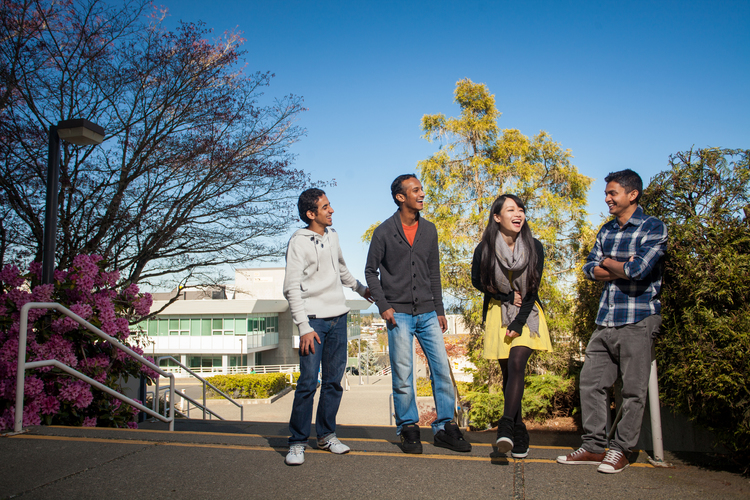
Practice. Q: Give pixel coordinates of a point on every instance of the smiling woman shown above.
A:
(511, 219)
(507, 267)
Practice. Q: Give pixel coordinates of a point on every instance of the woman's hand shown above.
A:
(511, 334)
(517, 300)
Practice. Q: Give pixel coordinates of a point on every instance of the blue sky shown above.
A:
(620, 84)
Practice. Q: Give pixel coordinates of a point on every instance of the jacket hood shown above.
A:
(309, 233)
(315, 239)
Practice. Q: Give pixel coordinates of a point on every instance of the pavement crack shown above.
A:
(77, 473)
(519, 488)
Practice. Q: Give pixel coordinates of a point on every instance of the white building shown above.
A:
(233, 329)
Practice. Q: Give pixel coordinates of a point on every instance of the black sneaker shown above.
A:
(410, 439)
(520, 441)
(450, 437)
(505, 435)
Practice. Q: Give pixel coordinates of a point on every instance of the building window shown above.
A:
(262, 331)
(169, 362)
(237, 360)
(204, 363)
(179, 326)
(207, 326)
(222, 326)
(265, 324)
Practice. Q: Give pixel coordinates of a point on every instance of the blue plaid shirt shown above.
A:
(624, 301)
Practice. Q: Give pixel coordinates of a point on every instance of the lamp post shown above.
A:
(241, 354)
(82, 133)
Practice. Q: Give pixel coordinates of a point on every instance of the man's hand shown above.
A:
(615, 268)
(443, 323)
(601, 274)
(610, 270)
(307, 343)
(368, 296)
(388, 316)
(517, 299)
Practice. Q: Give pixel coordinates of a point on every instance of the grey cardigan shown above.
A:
(409, 275)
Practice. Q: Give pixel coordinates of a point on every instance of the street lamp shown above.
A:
(82, 133)
(241, 354)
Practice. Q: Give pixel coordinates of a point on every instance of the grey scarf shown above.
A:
(512, 266)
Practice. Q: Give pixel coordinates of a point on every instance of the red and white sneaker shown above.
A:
(614, 462)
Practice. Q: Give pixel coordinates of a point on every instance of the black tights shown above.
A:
(514, 372)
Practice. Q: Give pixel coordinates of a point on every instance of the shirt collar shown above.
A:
(635, 220)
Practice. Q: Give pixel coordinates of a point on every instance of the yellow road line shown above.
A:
(265, 436)
(277, 449)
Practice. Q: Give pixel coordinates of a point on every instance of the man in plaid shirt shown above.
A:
(627, 256)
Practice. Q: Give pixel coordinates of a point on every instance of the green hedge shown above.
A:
(250, 386)
(545, 396)
(424, 388)
(703, 352)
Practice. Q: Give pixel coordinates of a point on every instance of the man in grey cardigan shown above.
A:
(403, 273)
(315, 271)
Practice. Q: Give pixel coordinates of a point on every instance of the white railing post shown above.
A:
(18, 424)
(655, 412)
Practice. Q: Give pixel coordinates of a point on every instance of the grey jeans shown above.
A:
(612, 351)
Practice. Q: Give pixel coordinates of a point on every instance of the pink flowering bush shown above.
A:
(50, 395)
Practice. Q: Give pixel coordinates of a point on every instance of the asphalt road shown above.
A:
(246, 460)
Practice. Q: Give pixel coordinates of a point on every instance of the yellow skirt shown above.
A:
(497, 345)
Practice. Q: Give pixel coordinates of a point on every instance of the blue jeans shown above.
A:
(426, 329)
(331, 352)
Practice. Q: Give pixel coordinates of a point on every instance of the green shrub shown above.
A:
(485, 409)
(424, 387)
(250, 386)
(545, 396)
(703, 352)
(464, 387)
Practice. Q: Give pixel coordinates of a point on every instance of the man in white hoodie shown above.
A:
(315, 273)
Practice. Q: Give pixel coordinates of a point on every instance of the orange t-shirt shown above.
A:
(410, 232)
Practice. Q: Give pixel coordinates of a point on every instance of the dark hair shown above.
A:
(397, 186)
(308, 200)
(489, 237)
(628, 180)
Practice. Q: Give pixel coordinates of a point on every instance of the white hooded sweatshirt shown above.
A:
(315, 271)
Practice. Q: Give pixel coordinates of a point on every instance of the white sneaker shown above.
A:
(296, 455)
(332, 444)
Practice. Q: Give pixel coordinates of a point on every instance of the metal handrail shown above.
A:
(205, 382)
(23, 365)
(238, 370)
(191, 400)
